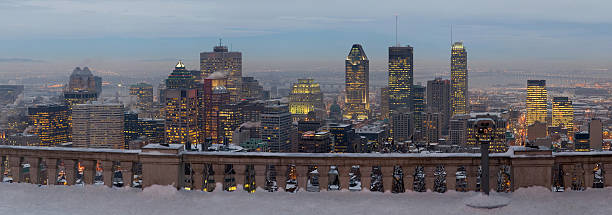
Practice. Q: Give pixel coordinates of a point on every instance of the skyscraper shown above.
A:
(305, 97)
(595, 134)
(182, 107)
(82, 87)
(418, 111)
(98, 125)
(50, 123)
(276, 126)
(400, 77)
(438, 101)
(402, 125)
(357, 79)
(222, 60)
(459, 79)
(536, 101)
(144, 95)
(384, 103)
(563, 113)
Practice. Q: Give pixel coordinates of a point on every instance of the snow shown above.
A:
(90, 199)
(494, 200)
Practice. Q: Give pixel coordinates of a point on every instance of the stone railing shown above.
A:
(213, 170)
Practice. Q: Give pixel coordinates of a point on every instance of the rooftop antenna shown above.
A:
(451, 34)
(220, 44)
(396, 41)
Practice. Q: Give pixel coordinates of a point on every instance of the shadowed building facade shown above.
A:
(357, 80)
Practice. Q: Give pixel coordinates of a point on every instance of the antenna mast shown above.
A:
(451, 35)
(396, 41)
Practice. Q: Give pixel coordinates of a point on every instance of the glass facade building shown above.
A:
(357, 80)
(459, 79)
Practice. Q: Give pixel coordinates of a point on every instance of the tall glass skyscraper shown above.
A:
(222, 60)
(357, 80)
(563, 113)
(459, 79)
(182, 109)
(536, 101)
(400, 77)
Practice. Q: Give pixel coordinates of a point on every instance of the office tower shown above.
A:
(536, 101)
(97, 125)
(335, 112)
(82, 87)
(400, 77)
(459, 79)
(343, 135)
(498, 136)
(418, 111)
(433, 132)
(214, 97)
(563, 113)
(251, 89)
(251, 110)
(438, 100)
(306, 97)
(50, 123)
(153, 129)
(357, 80)
(384, 103)
(182, 108)
(230, 118)
(276, 126)
(402, 125)
(131, 128)
(457, 129)
(315, 142)
(230, 63)
(10, 93)
(144, 95)
(595, 134)
(582, 141)
(161, 94)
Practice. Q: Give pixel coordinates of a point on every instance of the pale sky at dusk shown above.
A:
(122, 36)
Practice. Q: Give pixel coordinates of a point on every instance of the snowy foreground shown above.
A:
(31, 199)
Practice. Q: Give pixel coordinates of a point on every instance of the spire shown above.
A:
(180, 65)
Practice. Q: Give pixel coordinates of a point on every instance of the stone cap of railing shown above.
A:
(520, 151)
(158, 149)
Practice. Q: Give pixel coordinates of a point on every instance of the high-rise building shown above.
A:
(315, 142)
(343, 137)
(438, 101)
(457, 129)
(97, 125)
(357, 79)
(384, 103)
(402, 125)
(152, 129)
(306, 97)
(82, 87)
(432, 127)
(50, 123)
(418, 111)
(563, 113)
(230, 63)
(459, 79)
(276, 126)
(144, 95)
(400, 77)
(131, 128)
(536, 101)
(595, 134)
(582, 141)
(182, 108)
(251, 89)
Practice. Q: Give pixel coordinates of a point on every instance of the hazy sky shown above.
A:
(46, 36)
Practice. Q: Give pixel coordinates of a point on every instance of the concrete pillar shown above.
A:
(127, 173)
(260, 175)
(493, 170)
(89, 171)
(240, 175)
(34, 169)
(429, 177)
(567, 176)
(302, 176)
(281, 176)
(409, 177)
(608, 174)
(219, 176)
(387, 175)
(323, 177)
(198, 176)
(588, 175)
(15, 165)
(472, 176)
(451, 178)
(70, 166)
(343, 176)
(51, 170)
(366, 176)
(107, 167)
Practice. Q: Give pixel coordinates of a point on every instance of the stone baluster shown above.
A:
(366, 176)
(51, 170)
(281, 176)
(451, 178)
(408, 176)
(127, 173)
(323, 177)
(15, 165)
(70, 166)
(588, 174)
(343, 176)
(387, 175)
(219, 176)
(429, 177)
(260, 175)
(89, 171)
(34, 169)
(198, 176)
(107, 167)
(302, 176)
(240, 175)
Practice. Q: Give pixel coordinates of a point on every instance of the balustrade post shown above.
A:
(451, 178)
(70, 166)
(260, 175)
(607, 168)
(281, 176)
(89, 171)
(127, 173)
(387, 175)
(472, 176)
(343, 176)
(302, 176)
(198, 176)
(588, 174)
(15, 165)
(51, 170)
(429, 177)
(34, 169)
(239, 176)
(107, 167)
(219, 176)
(408, 177)
(323, 177)
(366, 176)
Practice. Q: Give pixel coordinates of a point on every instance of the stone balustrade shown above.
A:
(230, 171)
